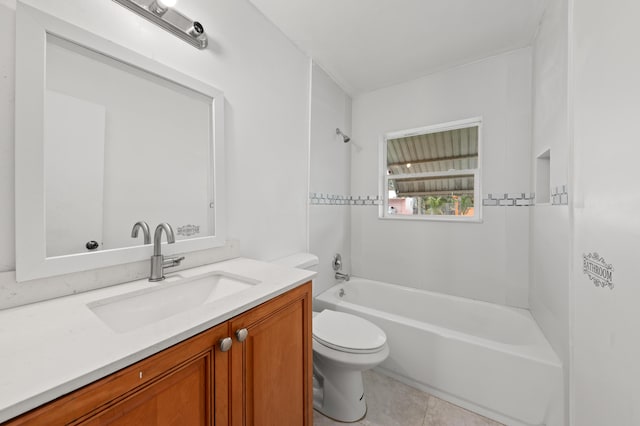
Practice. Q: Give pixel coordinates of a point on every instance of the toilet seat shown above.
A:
(347, 333)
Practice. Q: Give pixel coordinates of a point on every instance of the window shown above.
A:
(433, 172)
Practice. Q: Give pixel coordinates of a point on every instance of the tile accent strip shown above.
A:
(519, 199)
(559, 196)
(319, 198)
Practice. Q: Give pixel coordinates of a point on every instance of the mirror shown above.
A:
(120, 145)
(105, 138)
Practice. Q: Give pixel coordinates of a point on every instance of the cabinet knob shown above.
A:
(242, 334)
(225, 344)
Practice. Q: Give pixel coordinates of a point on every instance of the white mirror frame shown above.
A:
(32, 27)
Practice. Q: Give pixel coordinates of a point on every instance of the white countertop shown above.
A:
(50, 348)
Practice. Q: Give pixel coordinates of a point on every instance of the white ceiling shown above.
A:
(369, 44)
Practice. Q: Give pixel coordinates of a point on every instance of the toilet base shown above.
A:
(336, 420)
(341, 396)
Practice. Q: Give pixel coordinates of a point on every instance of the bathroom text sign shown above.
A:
(598, 271)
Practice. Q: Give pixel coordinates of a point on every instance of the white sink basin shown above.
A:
(129, 311)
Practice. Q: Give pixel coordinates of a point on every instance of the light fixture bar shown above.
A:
(171, 20)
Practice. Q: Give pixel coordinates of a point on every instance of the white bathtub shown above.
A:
(488, 358)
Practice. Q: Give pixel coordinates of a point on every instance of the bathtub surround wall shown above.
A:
(486, 261)
(329, 171)
(265, 79)
(549, 226)
(606, 87)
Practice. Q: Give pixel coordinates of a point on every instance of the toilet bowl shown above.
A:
(344, 345)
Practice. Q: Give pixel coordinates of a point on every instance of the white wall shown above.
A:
(7, 96)
(486, 261)
(329, 225)
(606, 336)
(265, 79)
(549, 267)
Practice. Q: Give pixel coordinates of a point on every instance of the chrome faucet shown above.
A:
(158, 261)
(145, 231)
(341, 276)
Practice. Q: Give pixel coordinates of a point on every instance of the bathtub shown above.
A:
(488, 358)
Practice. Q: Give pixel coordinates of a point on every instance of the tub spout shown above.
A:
(341, 276)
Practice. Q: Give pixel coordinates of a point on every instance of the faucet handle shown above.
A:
(170, 262)
(337, 262)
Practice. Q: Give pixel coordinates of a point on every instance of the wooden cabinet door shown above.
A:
(272, 368)
(181, 397)
(186, 384)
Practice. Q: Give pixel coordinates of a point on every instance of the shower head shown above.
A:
(345, 138)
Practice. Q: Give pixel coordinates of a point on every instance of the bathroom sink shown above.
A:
(129, 311)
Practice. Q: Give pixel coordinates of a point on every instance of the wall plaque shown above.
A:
(598, 271)
(188, 230)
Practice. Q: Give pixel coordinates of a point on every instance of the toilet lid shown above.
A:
(347, 333)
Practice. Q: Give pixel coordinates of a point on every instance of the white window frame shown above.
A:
(383, 211)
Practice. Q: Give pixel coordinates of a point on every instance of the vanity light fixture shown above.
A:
(161, 13)
(159, 7)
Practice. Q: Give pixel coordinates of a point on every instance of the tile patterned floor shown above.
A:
(391, 403)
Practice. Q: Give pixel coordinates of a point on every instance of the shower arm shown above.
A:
(345, 138)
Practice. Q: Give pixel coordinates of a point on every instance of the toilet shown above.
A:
(344, 345)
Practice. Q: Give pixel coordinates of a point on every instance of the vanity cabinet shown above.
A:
(271, 362)
(262, 378)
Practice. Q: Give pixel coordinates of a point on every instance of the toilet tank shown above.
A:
(299, 260)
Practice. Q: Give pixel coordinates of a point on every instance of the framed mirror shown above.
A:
(105, 138)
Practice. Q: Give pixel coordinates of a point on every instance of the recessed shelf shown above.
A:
(543, 177)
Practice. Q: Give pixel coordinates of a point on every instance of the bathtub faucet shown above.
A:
(341, 276)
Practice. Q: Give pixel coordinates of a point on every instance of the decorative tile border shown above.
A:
(518, 199)
(559, 196)
(318, 198)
